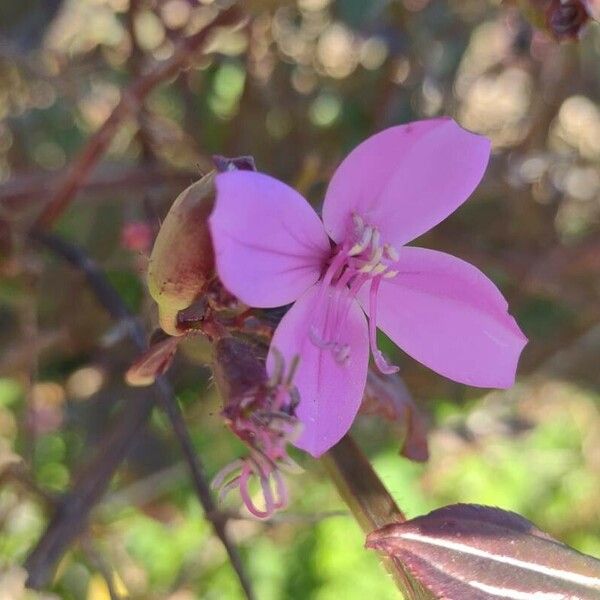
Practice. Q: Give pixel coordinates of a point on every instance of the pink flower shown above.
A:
(272, 249)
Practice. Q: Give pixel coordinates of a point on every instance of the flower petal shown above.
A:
(406, 179)
(270, 245)
(330, 391)
(448, 315)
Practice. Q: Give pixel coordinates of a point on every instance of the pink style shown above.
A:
(272, 249)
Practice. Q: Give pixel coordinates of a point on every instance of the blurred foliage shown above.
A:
(297, 88)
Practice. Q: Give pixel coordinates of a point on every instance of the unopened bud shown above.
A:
(566, 18)
(182, 260)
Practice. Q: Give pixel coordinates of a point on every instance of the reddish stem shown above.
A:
(131, 99)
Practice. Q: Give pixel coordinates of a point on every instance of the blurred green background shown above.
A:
(297, 87)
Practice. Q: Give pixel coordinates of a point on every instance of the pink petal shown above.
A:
(406, 179)
(270, 245)
(449, 316)
(330, 392)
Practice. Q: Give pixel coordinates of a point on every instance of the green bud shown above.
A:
(182, 260)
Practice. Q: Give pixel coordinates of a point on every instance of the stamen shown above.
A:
(363, 243)
(282, 494)
(377, 255)
(376, 238)
(378, 357)
(265, 484)
(292, 371)
(366, 268)
(351, 292)
(317, 340)
(278, 368)
(341, 299)
(336, 265)
(245, 494)
(227, 488)
(224, 473)
(358, 221)
(391, 252)
(367, 258)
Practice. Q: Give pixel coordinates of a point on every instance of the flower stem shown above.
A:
(369, 501)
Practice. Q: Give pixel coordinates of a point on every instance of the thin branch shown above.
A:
(75, 507)
(89, 485)
(28, 190)
(130, 102)
(136, 62)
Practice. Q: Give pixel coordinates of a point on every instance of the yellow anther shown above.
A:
(363, 244)
(390, 274)
(367, 268)
(377, 254)
(375, 238)
(358, 221)
(391, 252)
(379, 269)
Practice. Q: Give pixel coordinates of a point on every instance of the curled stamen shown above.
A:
(226, 471)
(282, 494)
(380, 361)
(265, 484)
(247, 498)
(225, 489)
(264, 418)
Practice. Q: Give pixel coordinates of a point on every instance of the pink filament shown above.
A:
(332, 315)
(380, 361)
(247, 499)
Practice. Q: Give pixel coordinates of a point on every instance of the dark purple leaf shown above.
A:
(470, 552)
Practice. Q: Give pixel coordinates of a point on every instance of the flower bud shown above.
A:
(182, 260)
(566, 18)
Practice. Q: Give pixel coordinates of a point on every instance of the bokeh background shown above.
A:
(297, 87)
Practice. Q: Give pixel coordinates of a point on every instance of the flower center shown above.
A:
(362, 258)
